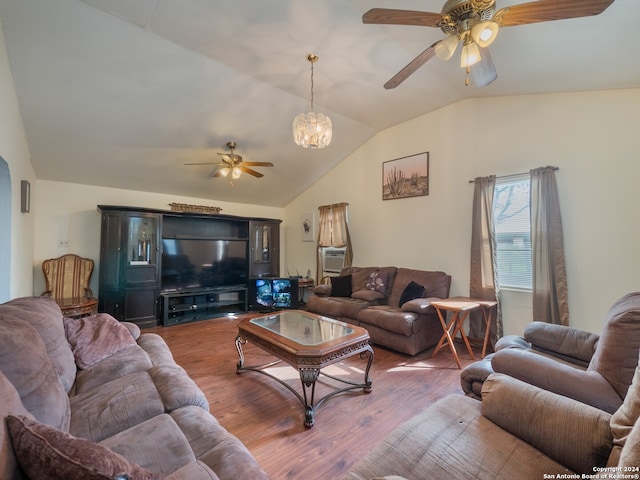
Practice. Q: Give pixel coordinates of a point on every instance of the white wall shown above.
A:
(14, 150)
(67, 213)
(590, 136)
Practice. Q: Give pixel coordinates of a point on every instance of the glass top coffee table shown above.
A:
(307, 342)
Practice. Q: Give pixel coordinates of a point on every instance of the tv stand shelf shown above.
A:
(190, 306)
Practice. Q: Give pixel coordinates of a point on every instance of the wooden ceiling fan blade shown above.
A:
(484, 72)
(203, 163)
(391, 16)
(414, 65)
(250, 171)
(549, 10)
(257, 164)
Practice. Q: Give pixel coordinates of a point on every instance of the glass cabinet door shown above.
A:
(262, 242)
(142, 240)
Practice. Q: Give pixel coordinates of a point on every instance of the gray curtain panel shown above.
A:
(550, 298)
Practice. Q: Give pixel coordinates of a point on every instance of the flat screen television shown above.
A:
(194, 263)
(266, 294)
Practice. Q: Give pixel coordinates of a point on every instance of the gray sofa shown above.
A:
(517, 431)
(374, 301)
(93, 398)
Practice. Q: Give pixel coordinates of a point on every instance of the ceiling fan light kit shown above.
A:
(476, 23)
(312, 130)
(231, 163)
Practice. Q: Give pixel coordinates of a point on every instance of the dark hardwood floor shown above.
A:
(269, 419)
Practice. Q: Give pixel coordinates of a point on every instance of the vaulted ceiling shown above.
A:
(122, 93)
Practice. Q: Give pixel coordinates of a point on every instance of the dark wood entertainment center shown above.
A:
(135, 287)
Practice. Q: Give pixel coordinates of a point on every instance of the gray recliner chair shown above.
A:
(593, 369)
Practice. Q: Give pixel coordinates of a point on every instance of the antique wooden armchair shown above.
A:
(67, 282)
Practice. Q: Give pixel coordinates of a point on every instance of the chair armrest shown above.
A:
(420, 305)
(572, 433)
(562, 340)
(556, 376)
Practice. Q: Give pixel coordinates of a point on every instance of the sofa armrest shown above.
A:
(556, 376)
(562, 340)
(420, 305)
(134, 329)
(322, 290)
(572, 433)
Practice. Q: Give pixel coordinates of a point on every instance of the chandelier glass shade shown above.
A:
(312, 130)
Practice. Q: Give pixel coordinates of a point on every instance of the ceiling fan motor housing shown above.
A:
(460, 15)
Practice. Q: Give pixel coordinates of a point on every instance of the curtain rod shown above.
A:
(514, 174)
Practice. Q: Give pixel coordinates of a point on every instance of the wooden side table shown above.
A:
(77, 307)
(460, 307)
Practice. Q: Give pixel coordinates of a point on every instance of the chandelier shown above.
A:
(312, 130)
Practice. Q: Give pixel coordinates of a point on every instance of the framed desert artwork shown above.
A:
(406, 177)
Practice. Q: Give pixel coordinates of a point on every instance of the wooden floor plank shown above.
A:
(268, 418)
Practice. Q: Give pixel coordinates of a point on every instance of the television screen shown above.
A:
(191, 264)
(273, 293)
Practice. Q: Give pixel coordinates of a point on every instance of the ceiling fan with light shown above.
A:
(231, 164)
(475, 24)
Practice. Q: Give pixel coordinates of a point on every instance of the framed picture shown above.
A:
(406, 177)
(307, 227)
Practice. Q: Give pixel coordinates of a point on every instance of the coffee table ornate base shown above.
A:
(308, 359)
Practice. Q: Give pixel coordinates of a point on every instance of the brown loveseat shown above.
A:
(93, 398)
(593, 369)
(517, 431)
(375, 300)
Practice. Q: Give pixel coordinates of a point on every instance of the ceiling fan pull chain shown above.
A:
(466, 80)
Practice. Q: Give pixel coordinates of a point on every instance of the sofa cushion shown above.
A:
(341, 286)
(95, 338)
(176, 388)
(193, 471)
(45, 452)
(115, 406)
(630, 454)
(336, 307)
(440, 442)
(412, 291)
(133, 359)
(157, 443)
(224, 453)
(436, 284)
(10, 404)
(615, 364)
(389, 318)
(367, 295)
(24, 361)
(44, 314)
(624, 419)
(360, 275)
(533, 414)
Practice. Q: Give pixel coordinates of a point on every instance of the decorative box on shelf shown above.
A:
(185, 207)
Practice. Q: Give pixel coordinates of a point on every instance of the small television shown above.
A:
(268, 294)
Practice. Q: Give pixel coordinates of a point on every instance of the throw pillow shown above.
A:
(411, 291)
(45, 452)
(378, 281)
(341, 286)
(95, 338)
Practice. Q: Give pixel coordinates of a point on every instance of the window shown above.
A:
(513, 233)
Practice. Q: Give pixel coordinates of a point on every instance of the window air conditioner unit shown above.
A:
(333, 260)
